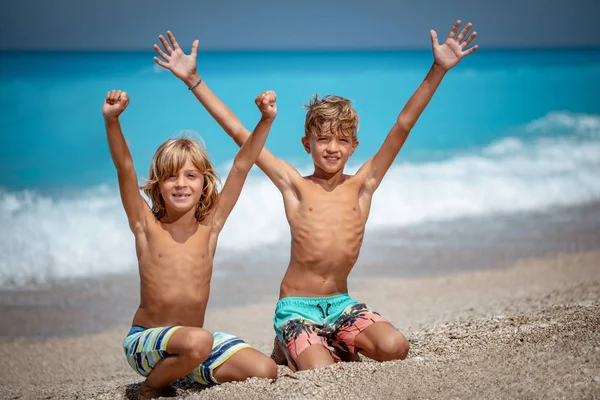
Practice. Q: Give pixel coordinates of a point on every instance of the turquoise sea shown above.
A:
(509, 131)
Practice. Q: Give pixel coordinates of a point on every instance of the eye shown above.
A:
(172, 177)
(192, 176)
(344, 140)
(321, 139)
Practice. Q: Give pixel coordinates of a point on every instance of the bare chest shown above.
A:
(333, 211)
(175, 253)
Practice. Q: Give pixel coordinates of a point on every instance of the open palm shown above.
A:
(448, 54)
(174, 59)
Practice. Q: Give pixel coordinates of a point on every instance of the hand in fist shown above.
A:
(115, 103)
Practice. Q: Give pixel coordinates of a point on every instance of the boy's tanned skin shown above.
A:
(327, 210)
(175, 253)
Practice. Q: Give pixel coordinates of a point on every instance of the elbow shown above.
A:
(238, 134)
(240, 167)
(124, 167)
(404, 124)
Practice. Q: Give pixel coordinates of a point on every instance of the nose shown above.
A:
(180, 182)
(332, 146)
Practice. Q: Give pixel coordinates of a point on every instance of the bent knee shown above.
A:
(393, 347)
(265, 369)
(197, 345)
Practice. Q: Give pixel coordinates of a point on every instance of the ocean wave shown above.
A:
(80, 234)
(564, 122)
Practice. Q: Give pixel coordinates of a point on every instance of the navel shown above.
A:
(309, 208)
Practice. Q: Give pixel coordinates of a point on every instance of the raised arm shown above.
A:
(245, 158)
(183, 66)
(446, 56)
(135, 206)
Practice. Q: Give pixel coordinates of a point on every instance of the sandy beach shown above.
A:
(528, 330)
(492, 308)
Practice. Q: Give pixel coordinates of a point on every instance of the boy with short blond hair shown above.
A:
(327, 212)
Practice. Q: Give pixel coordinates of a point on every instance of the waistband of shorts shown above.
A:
(136, 329)
(312, 301)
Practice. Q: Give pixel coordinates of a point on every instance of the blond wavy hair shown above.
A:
(334, 112)
(168, 160)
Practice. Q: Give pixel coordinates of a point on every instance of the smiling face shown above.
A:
(330, 151)
(330, 132)
(182, 178)
(181, 191)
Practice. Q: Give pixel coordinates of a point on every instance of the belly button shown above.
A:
(309, 208)
(159, 255)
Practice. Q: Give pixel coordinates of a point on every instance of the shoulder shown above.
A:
(307, 181)
(352, 180)
(144, 226)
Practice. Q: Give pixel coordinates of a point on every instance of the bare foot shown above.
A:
(147, 392)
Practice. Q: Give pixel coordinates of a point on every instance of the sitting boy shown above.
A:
(175, 242)
(327, 212)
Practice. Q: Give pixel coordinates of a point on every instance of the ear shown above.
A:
(306, 144)
(354, 145)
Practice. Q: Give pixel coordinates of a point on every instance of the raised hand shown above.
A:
(174, 59)
(448, 54)
(115, 103)
(266, 104)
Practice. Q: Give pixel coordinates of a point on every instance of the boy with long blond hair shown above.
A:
(175, 241)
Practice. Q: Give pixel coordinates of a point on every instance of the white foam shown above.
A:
(561, 122)
(86, 234)
(503, 146)
(509, 175)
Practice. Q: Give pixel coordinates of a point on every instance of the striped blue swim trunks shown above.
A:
(145, 347)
